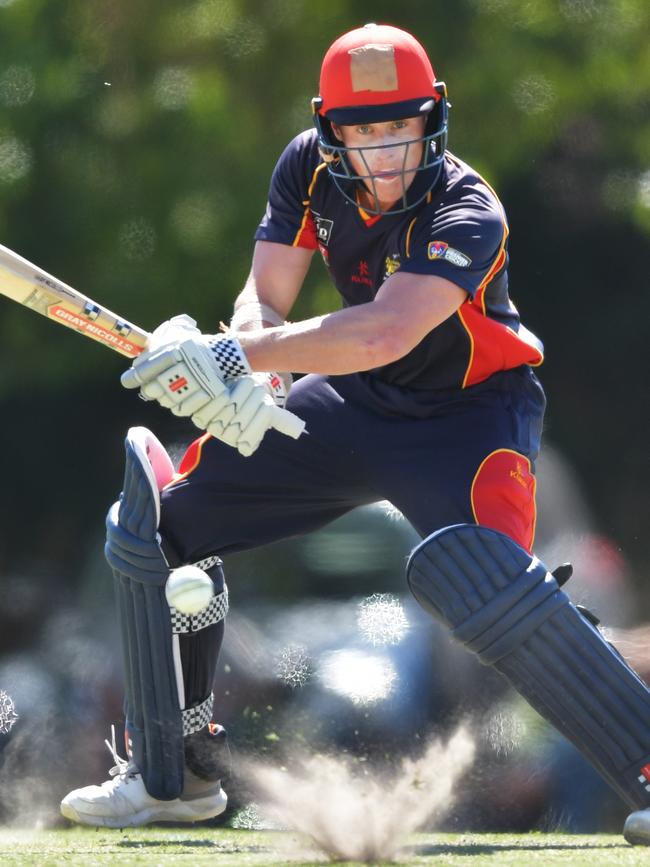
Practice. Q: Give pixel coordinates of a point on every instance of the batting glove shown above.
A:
(208, 379)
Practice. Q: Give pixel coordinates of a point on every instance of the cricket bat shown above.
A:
(33, 287)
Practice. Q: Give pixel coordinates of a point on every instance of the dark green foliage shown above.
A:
(136, 143)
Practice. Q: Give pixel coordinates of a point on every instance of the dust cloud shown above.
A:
(357, 812)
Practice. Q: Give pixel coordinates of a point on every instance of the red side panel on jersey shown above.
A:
(493, 346)
(503, 496)
(306, 236)
(191, 459)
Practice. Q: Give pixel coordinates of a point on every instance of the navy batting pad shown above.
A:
(503, 604)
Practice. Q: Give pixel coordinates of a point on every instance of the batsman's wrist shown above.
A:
(252, 314)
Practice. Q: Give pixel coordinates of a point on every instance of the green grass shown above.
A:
(229, 848)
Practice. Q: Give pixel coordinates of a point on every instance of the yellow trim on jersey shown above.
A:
(407, 243)
(532, 475)
(506, 232)
(306, 202)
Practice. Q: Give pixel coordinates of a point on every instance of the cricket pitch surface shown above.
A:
(219, 847)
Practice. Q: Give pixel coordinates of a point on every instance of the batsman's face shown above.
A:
(385, 155)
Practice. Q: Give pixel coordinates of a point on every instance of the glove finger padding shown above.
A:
(149, 366)
(253, 435)
(248, 397)
(220, 409)
(226, 424)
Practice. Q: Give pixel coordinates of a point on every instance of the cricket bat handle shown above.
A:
(33, 287)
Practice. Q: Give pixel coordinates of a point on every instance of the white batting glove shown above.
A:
(208, 378)
(252, 410)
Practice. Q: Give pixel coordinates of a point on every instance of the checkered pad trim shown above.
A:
(208, 563)
(215, 611)
(197, 717)
(229, 357)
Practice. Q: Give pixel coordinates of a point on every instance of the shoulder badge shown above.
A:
(442, 250)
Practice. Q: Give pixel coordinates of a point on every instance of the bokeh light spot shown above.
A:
(364, 678)
(533, 94)
(644, 189)
(245, 39)
(15, 159)
(580, 10)
(17, 86)
(504, 732)
(293, 666)
(195, 222)
(8, 715)
(173, 87)
(212, 17)
(137, 240)
(619, 190)
(381, 619)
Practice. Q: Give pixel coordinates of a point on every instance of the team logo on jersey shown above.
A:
(391, 265)
(323, 229)
(363, 274)
(442, 250)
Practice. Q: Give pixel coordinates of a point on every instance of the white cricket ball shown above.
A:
(189, 589)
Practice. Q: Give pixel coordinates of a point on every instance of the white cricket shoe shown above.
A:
(123, 801)
(637, 828)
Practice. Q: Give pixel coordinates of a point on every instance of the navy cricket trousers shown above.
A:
(440, 457)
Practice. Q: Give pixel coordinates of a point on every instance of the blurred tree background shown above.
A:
(136, 144)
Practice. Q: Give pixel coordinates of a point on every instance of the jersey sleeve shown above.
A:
(463, 241)
(287, 219)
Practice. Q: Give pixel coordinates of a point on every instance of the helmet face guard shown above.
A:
(416, 182)
(376, 74)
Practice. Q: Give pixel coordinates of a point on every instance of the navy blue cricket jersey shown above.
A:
(458, 232)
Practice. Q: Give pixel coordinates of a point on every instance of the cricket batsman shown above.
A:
(420, 390)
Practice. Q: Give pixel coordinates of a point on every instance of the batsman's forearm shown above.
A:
(347, 341)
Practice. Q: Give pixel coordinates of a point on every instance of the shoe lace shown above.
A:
(123, 769)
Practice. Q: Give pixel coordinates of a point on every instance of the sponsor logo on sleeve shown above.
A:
(442, 250)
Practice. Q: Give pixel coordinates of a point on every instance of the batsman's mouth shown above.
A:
(391, 174)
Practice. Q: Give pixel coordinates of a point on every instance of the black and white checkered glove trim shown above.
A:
(229, 356)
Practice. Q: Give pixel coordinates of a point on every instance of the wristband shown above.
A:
(253, 311)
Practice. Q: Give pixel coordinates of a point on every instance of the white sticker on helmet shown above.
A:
(373, 67)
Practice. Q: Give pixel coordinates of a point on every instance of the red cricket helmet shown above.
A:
(373, 74)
